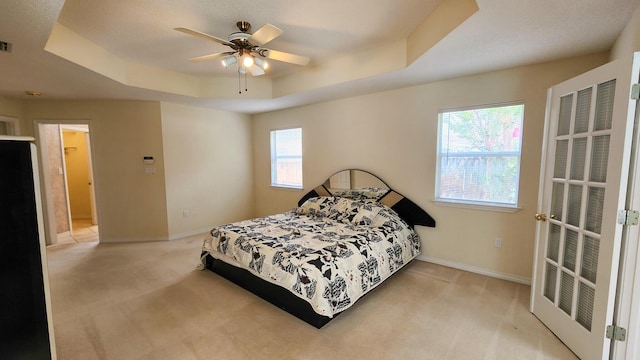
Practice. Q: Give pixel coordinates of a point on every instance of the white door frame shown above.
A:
(45, 189)
(627, 313)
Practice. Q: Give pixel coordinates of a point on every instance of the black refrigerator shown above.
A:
(26, 331)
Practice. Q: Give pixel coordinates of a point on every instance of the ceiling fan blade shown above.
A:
(265, 34)
(203, 35)
(211, 56)
(286, 57)
(256, 71)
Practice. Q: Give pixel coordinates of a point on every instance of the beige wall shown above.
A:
(207, 154)
(215, 172)
(12, 108)
(208, 168)
(629, 39)
(393, 134)
(131, 205)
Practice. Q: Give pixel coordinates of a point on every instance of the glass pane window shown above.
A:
(583, 108)
(479, 155)
(564, 122)
(286, 158)
(550, 282)
(560, 167)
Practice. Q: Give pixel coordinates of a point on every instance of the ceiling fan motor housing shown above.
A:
(239, 38)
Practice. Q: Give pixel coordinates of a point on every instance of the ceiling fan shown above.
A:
(246, 48)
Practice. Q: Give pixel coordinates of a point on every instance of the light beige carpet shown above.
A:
(147, 301)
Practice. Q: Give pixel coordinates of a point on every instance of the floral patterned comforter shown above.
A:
(329, 252)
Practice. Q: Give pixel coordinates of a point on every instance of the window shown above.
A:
(9, 126)
(479, 155)
(286, 158)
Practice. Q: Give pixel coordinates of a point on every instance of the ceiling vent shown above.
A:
(5, 46)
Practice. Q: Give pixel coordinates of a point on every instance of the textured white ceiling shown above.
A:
(142, 31)
(503, 33)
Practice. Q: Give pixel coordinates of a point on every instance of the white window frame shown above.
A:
(275, 158)
(478, 204)
(13, 125)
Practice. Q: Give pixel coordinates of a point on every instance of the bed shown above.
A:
(343, 239)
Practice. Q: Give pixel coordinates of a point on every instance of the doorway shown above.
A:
(70, 211)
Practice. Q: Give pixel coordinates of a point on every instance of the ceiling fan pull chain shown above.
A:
(245, 82)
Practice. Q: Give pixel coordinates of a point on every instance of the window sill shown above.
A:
(477, 206)
(286, 187)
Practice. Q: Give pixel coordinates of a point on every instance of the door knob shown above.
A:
(541, 217)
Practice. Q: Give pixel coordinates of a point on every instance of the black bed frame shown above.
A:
(281, 297)
(274, 294)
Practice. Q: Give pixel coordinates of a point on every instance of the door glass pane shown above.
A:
(560, 167)
(566, 293)
(573, 205)
(583, 107)
(578, 156)
(554, 242)
(585, 305)
(570, 250)
(595, 204)
(604, 105)
(556, 201)
(550, 282)
(565, 114)
(590, 250)
(599, 158)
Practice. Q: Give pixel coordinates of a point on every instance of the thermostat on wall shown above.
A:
(147, 160)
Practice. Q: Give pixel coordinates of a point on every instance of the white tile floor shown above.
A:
(83, 231)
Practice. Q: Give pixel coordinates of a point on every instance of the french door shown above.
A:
(588, 135)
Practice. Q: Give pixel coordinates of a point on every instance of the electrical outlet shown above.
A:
(185, 213)
(498, 242)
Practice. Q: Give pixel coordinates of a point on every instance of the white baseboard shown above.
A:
(169, 238)
(132, 240)
(190, 233)
(476, 270)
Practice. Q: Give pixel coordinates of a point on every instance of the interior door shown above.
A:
(92, 189)
(589, 126)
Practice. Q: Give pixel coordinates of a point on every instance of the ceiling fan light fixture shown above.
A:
(247, 60)
(262, 64)
(247, 51)
(229, 60)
